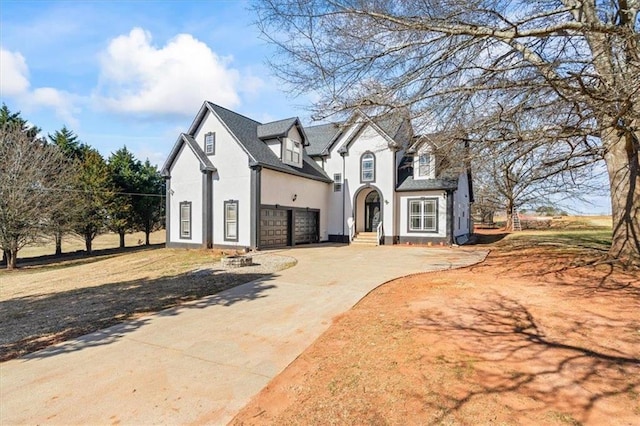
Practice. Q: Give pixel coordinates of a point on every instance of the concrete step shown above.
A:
(364, 243)
(366, 239)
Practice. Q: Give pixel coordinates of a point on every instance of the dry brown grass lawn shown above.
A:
(52, 300)
(534, 335)
(72, 243)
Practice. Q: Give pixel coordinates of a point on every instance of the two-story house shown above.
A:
(235, 182)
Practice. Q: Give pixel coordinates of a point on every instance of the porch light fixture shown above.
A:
(294, 197)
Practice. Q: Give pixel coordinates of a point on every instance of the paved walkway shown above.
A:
(202, 362)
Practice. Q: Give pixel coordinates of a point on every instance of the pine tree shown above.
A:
(123, 169)
(148, 208)
(95, 195)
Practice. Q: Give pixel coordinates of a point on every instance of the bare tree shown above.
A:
(451, 62)
(33, 178)
(515, 166)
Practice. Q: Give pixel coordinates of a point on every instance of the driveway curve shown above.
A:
(203, 361)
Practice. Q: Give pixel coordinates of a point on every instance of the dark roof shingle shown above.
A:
(321, 136)
(276, 128)
(246, 131)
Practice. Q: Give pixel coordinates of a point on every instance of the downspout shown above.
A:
(167, 209)
(254, 239)
(450, 216)
(344, 190)
(207, 216)
(396, 216)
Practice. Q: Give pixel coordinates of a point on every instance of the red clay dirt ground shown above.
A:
(534, 335)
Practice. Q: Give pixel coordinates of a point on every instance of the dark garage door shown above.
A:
(306, 226)
(274, 228)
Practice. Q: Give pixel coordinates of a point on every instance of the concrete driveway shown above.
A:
(202, 362)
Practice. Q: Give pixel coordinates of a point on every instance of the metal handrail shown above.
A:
(379, 233)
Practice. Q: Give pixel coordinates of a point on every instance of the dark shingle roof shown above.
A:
(205, 163)
(392, 126)
(411, 184)
(276, 128)
(320, 137)
(246, 131)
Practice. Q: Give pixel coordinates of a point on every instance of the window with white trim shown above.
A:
(424, 165)
(423, 215)
(210, 143)
(292, 151)
(231, 220)
(185, 220)
(367, 167)
(337, 182)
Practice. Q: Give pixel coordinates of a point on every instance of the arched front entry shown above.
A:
(368, 209)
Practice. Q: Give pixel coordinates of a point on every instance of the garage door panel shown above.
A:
(306, 227)
(273, 228)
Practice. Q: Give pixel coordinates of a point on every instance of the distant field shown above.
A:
(566, 222)
(72, 243)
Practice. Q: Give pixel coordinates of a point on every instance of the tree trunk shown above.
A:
(4, 257)
(12, 259)
(623, 168)
(87, 243)
(58, 243)
(509, 225)
(121, 233)
(146, 237)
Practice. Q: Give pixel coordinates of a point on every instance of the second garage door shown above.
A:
(306, 226)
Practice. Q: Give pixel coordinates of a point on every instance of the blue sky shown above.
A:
(134, 73)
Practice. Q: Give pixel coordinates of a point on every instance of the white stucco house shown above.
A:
(235, 182)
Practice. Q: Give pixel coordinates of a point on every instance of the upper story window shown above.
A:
(210, 143)
(368, 167)
(292, 152)
(424, 165)
(337, 182)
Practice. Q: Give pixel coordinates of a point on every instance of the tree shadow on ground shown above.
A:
(573, 260)
(507, 349)
(78, 257)
(487, 238)
(30, 323)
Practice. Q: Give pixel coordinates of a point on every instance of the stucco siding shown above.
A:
(368, 140)
(186, 186)
(232, 181)
(280, 188)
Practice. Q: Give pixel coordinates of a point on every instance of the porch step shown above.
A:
(366, 239)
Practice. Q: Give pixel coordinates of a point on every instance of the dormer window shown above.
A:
(368, 167)
(292, 152)
(423, 166)
(210, 143)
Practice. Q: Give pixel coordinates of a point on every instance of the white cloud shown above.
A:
(14, 74)
(60, 101)
(14, 83)
(138, 77)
